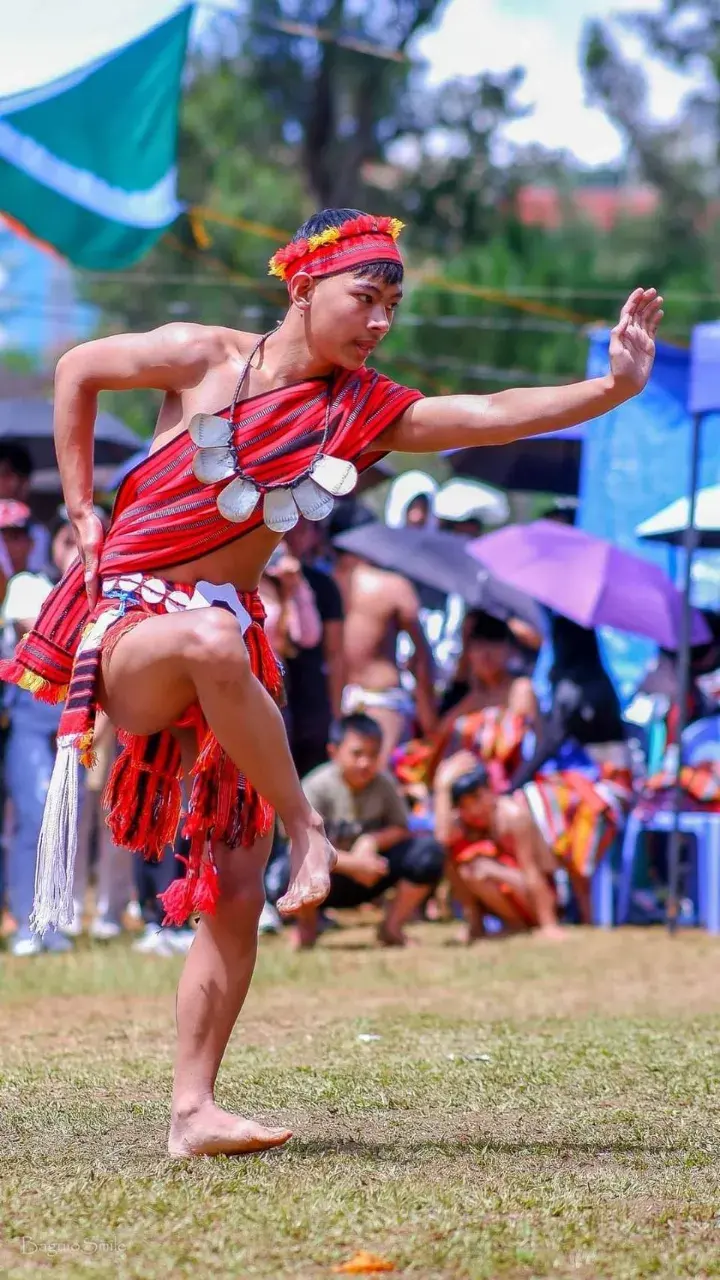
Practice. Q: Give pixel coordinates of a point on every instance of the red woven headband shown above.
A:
(354, 244)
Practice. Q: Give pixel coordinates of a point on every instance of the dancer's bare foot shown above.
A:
(210, 1131)
(312, 858)
(552, 933)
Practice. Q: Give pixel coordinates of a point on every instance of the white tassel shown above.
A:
(57, 846)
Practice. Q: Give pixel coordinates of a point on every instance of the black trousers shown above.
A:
(153, 878)
(418, 859)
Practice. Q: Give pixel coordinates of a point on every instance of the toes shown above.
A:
(287, 905)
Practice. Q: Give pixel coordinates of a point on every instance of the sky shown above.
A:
(544, 36)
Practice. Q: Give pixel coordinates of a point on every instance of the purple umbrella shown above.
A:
(588, 580)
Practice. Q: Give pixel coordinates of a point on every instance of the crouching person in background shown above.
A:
(504, 850)
(498, 862)
(366, 819)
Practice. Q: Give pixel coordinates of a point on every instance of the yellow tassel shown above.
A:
(329, 236)
(32, 682)
(277, 269)
(38, 686)
(396, 226)
(88, 756)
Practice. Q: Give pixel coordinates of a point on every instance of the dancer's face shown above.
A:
(347, 316)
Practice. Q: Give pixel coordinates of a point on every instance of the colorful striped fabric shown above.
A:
(164, 517)
(578, 817)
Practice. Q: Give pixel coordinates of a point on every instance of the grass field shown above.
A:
(528, 1110)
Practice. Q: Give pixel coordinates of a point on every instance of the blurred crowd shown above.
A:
(467, 765)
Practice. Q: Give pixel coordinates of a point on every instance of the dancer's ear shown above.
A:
(302, 288)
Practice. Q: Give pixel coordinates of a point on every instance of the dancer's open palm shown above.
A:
(632, 341)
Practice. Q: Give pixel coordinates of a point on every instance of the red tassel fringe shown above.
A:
(144, 799)
(196, 893)
(144, 795)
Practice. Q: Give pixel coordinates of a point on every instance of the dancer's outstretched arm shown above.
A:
(460, 422)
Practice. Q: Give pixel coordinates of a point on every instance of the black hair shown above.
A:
(17, 457)
(59, 522)
(358, 723)
(477, 780)
(387, 272)
(483, 626)
(349, 513)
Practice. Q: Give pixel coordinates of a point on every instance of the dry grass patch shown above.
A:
(528, 1110)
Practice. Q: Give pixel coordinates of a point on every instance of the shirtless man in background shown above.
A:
(378, 606)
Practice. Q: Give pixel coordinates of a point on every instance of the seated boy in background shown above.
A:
(367, 821)
(498, 860)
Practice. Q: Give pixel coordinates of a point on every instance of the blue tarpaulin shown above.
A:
(636, 460)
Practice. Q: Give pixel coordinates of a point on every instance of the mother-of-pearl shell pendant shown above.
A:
(238, 500)
(211, 465)
(335, 475)
(314, 503)
(279, 510)
(209, 431)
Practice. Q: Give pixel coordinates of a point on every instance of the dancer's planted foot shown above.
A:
(209, 1131)
(312, 858)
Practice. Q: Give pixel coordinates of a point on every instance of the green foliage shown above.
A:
(285, 110)
(679, 159)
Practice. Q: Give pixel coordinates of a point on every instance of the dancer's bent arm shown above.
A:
(172, 358)
(458, 422)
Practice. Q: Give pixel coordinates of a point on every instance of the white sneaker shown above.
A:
(26, 946)
(153, 942)
(178, 941)
(133, 910)
(105, 930)
(270, 921)
(75, 928)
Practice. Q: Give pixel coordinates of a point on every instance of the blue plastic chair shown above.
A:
(701, 742)
(602, 891)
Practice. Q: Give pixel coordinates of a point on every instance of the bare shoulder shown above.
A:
(401, 587)
(383, 583)
(206, 341)
(171, 358)
(513, 815)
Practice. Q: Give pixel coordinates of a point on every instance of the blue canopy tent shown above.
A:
(636, 460)
(644, 454)
(703, 400)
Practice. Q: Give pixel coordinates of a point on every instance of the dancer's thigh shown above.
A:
(144, 685)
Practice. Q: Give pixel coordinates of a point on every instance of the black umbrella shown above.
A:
(538, 464)
(440, 561)
(30, 423)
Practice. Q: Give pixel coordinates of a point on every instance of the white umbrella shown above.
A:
(404, 489)
(671, 524)
(463, 499)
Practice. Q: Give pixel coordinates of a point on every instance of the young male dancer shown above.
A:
(253, 430)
